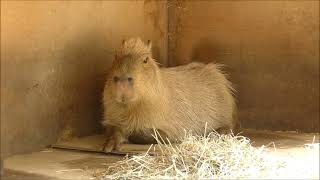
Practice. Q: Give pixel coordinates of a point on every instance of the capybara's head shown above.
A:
(133, 71)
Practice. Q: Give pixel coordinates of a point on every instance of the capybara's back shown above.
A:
(199, 94)
(140, 96)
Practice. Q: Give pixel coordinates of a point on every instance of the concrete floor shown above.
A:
(55, 163)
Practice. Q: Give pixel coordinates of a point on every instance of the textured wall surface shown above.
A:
(53, 58)
(271, 49)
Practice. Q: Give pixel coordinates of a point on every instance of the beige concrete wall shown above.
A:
(271, 49)
(53, 58)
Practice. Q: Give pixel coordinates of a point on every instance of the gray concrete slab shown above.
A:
(52, 163)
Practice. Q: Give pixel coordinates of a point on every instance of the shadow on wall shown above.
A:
(205, 51)
(59, 86)
(276, 89)
(81, 77)
(208, 50)
(155, 51)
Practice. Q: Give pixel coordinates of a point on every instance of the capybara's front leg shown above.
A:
(114, 139)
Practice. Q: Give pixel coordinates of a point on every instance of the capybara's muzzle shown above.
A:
(124, 89)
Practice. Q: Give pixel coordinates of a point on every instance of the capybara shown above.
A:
(139, 96)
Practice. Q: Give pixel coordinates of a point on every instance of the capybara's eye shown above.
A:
(116, 79)
(130, 79)
(145, 60)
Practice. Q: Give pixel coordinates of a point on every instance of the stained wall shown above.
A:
(54, 55)
(270, 49)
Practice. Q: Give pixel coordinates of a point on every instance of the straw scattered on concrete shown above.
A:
(196, 157)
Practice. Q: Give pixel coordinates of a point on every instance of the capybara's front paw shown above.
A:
(112, 143)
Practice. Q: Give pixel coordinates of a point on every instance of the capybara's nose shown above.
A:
(130, 79)
(116, 79)
(122, 79)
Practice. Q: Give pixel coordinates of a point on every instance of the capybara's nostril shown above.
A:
(116, 79)
(130, 79)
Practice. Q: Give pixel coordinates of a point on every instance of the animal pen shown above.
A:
(56, 57)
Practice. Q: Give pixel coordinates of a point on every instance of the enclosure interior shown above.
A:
(54, 56)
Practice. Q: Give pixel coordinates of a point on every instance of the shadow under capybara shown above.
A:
(139, 97)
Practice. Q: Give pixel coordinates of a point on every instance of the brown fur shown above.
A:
(169, 99)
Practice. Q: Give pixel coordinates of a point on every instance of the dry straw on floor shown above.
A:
(211, 156)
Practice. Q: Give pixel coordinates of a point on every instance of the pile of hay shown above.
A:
(210, 156)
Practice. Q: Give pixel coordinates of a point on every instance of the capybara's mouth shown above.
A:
(121, 100)
(124, 100)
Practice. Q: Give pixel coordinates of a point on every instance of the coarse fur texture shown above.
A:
(168, 99)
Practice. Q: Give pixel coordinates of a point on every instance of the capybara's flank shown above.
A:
(140, 96)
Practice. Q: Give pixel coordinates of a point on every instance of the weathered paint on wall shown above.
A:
(53, 58)
(271, 49)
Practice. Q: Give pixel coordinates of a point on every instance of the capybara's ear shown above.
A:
(123, 41)
(149, 44)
